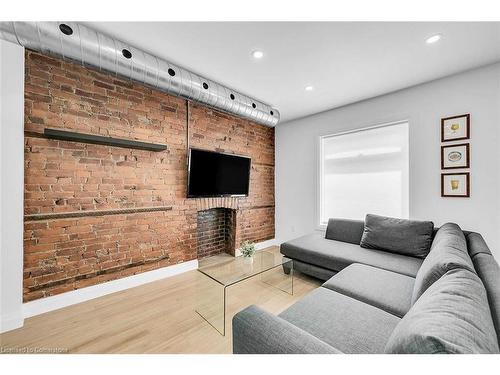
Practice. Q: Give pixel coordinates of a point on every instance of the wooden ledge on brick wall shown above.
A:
(65, 135)
(72, 214)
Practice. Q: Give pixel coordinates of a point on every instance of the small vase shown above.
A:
(248, 260)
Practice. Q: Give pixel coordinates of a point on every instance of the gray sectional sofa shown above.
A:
(427, 291)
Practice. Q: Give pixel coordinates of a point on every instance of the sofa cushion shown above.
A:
(347, 324)
(387, 290)
(452, 316)
(336, 255)
(345, 230)
(489, 272)
(448, 251)
(408, 237)
(256, 331)
(476, 244)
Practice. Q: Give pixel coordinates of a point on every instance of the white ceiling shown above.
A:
(344, 61)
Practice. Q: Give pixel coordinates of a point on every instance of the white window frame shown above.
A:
(319, 163)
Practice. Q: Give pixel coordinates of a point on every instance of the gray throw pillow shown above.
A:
(345, 230)
(452, 316)
(407, 237)
(448, 252)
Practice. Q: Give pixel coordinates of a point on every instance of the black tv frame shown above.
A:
(222, 195)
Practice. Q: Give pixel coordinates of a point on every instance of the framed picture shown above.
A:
(455, 128)
(455, 185)
(455, 156)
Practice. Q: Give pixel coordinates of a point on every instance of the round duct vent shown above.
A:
(65, 29)
(126, 53)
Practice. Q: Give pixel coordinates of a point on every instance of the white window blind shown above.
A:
(365, 171)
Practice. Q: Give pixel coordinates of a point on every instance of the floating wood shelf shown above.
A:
(73, 214)
(64, 135)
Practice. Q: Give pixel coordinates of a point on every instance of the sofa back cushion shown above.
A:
(448, 252)
(407, 237)
(345, 230)
(452, 316)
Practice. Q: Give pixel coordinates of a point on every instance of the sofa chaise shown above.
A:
(391, 286)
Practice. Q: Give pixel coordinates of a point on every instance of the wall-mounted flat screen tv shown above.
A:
(214, 174)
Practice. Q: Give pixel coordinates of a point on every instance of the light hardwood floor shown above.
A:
(158, 317)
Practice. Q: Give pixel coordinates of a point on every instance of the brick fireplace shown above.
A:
(217, 226)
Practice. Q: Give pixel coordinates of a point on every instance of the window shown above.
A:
(364, 171)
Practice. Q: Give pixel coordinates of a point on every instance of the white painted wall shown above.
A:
(476, 92)
(11, 184)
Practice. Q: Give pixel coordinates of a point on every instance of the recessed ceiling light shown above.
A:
(309, 88)
(433, 39)
(257, 54)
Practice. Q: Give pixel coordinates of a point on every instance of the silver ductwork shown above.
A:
(90, 48)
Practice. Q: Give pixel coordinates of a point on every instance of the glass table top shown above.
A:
(233, 270)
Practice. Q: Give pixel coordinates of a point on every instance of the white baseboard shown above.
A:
(260, 246)
(10, 322)
(59, 301)
(264, 244)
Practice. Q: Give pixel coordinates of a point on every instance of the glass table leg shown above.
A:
(211, 302)
(278, 278)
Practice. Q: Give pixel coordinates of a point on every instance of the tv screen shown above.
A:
(213, 174)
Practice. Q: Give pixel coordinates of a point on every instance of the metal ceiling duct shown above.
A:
(93, 49)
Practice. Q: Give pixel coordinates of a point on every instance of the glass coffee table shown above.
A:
(211, 291)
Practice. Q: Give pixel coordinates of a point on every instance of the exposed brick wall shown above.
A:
(66, 254)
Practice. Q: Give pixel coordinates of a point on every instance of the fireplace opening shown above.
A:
(216, 232)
